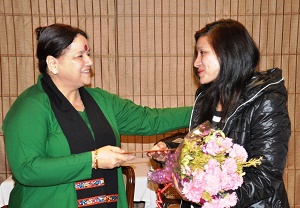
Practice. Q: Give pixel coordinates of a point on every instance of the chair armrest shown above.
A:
(129, 181)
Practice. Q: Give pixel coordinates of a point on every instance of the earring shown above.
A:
(54, 72)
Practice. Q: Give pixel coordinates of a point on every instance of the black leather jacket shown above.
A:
(261, 125)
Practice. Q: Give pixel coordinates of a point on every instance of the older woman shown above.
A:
(62, 138)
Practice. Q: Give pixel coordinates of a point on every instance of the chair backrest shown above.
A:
(129, 180)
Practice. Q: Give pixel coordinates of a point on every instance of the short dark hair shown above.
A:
(238, 56)
(53, 40)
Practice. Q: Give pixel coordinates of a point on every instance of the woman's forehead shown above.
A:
(79, 44)
(202, 42)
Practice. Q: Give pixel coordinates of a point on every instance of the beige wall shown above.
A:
(142, 50)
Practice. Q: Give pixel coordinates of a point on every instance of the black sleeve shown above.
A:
(270, 133)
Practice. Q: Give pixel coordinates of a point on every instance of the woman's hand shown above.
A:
(160, 154)
(178, 189)
(109, 157)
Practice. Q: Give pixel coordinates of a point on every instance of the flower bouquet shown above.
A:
(208, 167)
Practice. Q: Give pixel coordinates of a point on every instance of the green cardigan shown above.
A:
(38, 152)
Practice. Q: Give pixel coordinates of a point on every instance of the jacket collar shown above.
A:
(260, 83)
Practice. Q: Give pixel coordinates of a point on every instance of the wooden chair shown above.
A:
(129, 180)
(170, 197)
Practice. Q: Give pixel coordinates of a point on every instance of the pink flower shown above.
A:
(211, 148)
(212, 166)
(193, 189)
(229, 200)
(231, 181)
(199, 179)
(212, 176)
(218, 202)
(191, 192)
(239, 153)
(213, 184)
(227, 144)
(229, 166)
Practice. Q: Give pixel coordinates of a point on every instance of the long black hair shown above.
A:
(238, 56)
(53, 40)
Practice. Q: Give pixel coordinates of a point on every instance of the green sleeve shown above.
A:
(27, 129)
(134, 119)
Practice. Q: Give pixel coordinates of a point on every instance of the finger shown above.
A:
(121, 158)
(156, 153)
(160, 154)
(161, 145)
(130, 157)
(176, 186)
(174, 180)
(116, 149)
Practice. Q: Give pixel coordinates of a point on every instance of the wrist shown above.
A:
(95, 159)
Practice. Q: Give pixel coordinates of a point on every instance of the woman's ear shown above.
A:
(52, 64)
